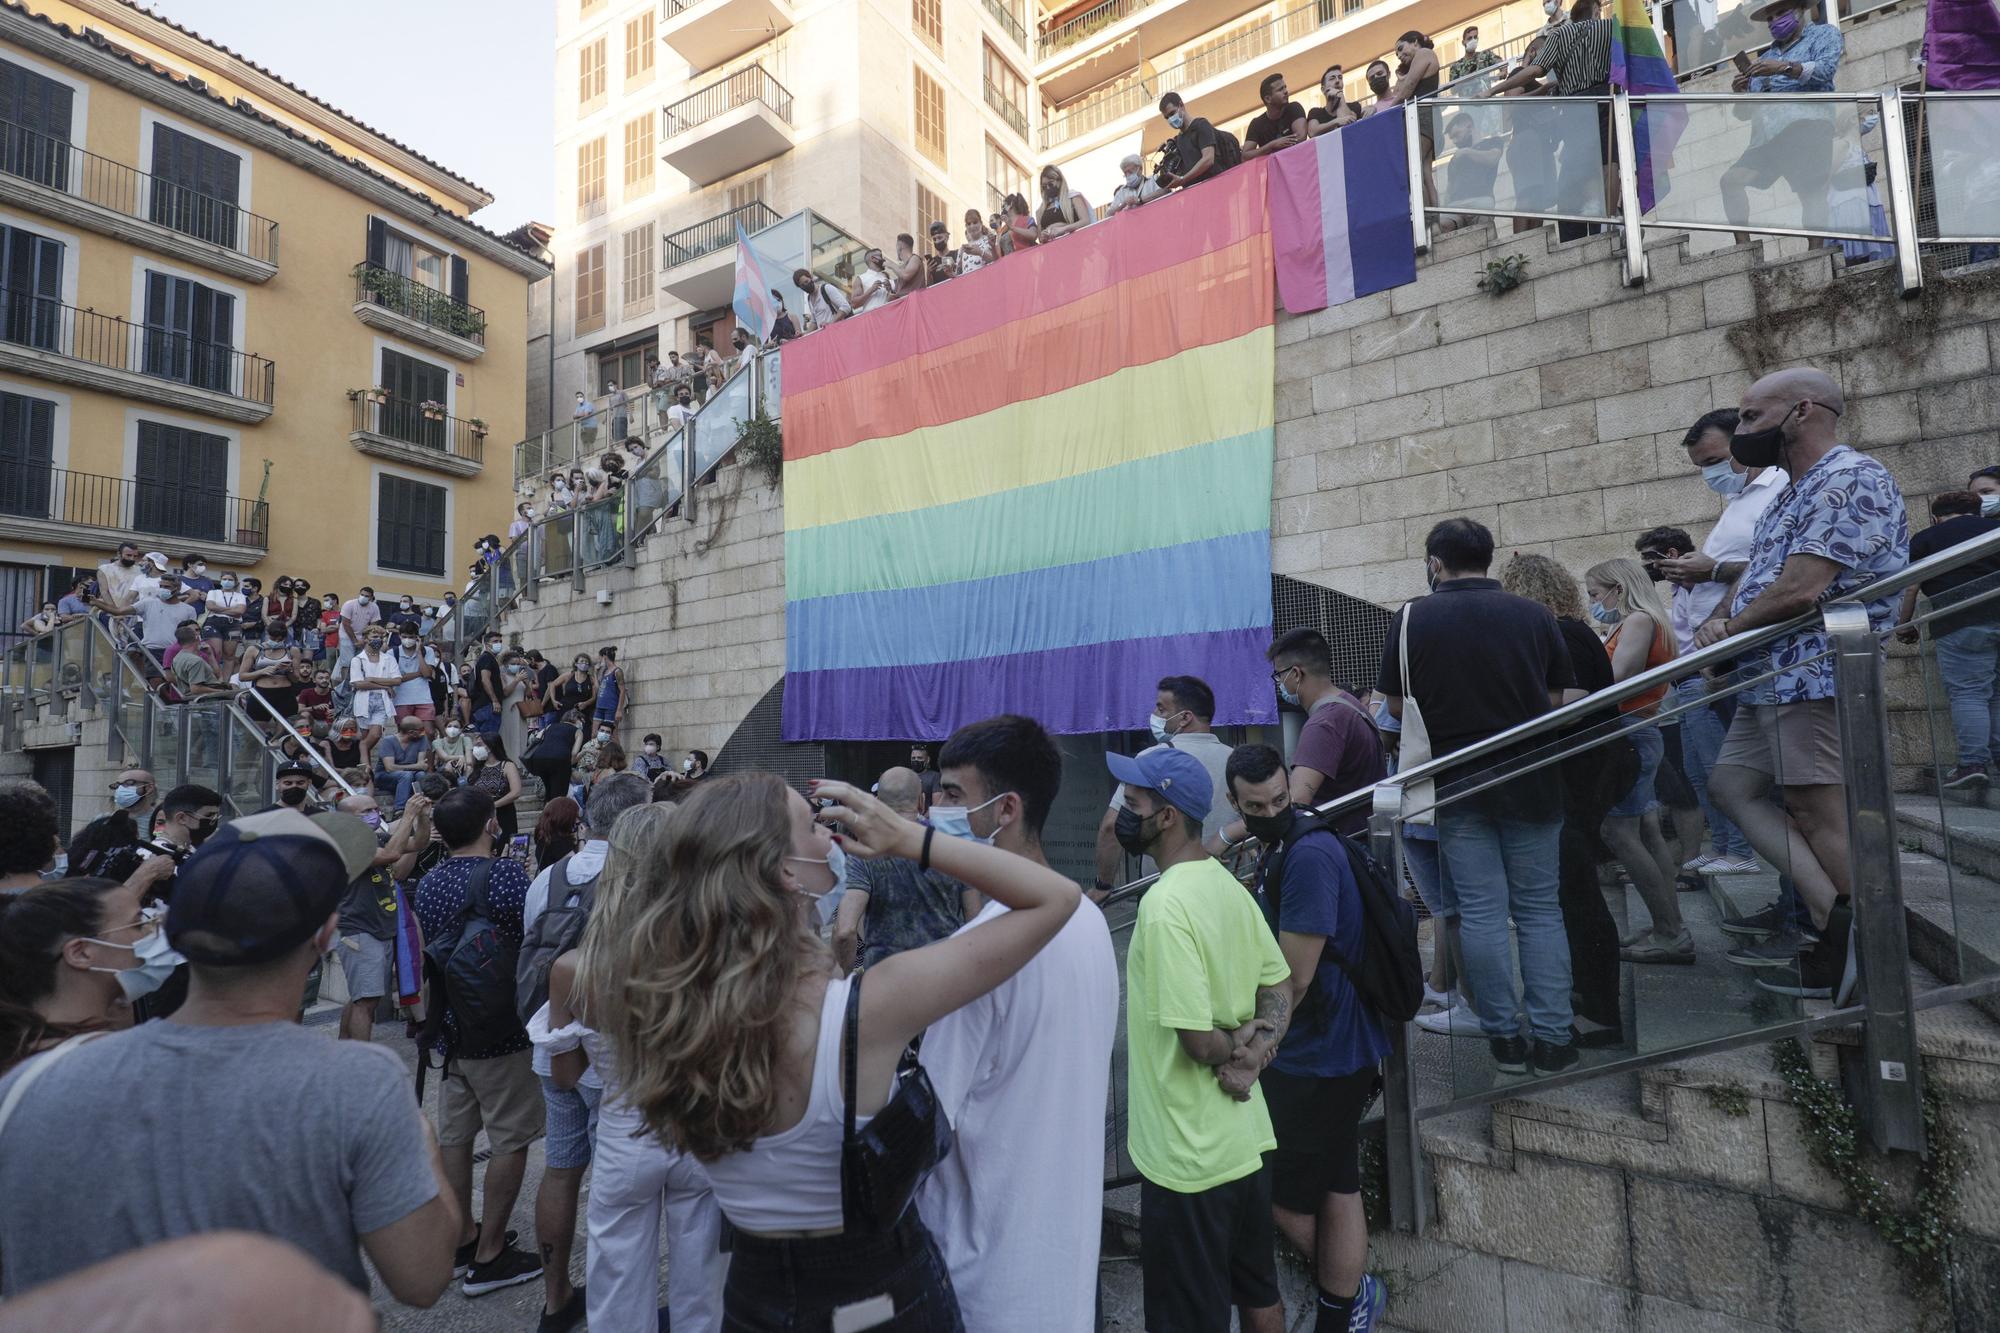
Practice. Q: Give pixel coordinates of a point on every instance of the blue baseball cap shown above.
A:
(1174, 774)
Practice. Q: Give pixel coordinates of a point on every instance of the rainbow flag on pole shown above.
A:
(1639, 65)
(1040, 487)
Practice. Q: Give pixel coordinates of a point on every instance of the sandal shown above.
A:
(1678, 951)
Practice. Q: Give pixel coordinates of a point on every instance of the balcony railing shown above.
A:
(413, 300)
(416, 424)
(1086, 25)
(752, 83)
(47, 325)
(1009, 20)
(57, 165)
(712, 234)
(123, 504)
(1008, 110)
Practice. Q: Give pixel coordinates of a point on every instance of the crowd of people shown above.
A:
(708, 994)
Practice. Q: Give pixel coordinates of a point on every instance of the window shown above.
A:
(930, 208)
(1004, 176)
(746, 192)
(419, 261)
(27, 454)
(930, 116)
(636, 273)
(626, 366)
(639, 50)
(590, 178)
(639, 157)
(590, 289)
(409, 525)
(590, 63)
(1006, 91)
(587, 6)
(411, 383)
(30, 288)
(928, 16)
(40, 107)
(194, 186)
(180, 483)
(189, 331)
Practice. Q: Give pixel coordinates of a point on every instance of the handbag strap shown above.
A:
(35, 1070)
(851, 1038)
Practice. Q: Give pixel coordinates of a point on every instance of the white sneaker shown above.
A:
(1441, 999)
(1732, 865)
(1459, 1020)
(1697, 864)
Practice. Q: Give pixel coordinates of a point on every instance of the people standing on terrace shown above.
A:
(1338, 111)
(1789, 139)
(1281, 124)
(1064, 209)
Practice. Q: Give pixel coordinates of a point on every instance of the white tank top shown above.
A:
(791, 1181)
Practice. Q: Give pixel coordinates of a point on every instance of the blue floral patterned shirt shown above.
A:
(1846, 509)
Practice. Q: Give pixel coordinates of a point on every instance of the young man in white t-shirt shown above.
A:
(1023, 1071)
(1183, 718)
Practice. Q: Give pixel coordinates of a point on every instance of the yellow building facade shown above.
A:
(236, 323)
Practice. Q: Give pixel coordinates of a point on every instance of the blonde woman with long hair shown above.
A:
(1623, 596)
(728, 1019)
(638, 1182)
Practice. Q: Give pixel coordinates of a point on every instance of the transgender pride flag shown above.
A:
(1340, 214)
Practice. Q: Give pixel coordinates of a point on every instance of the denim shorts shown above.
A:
(1646, 739)
(792, 1286)
(572, 1123)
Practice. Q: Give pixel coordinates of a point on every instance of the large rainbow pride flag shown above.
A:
(1040, 487)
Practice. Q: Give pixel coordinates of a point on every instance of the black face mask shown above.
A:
(1758, 448)
(1270, 829)
(1130, 829)
(200, 833)
(292, 796)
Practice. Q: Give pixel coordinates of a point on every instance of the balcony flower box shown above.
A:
(433, 411)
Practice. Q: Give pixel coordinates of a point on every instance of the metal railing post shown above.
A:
(1628, 187)
(687, 469)
(1402, 1151)
(1902, 194)
(1420, 222)
(630, 536)
(579, 537)
(1887, 1089)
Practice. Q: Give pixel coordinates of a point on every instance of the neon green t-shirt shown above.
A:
(1199, 951)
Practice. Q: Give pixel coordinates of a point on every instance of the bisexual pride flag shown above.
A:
(1340, 214)
(1040, 487)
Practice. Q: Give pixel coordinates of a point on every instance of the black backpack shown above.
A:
(1389, 974)
(471, 972)
(555, 932)
(1228, 150)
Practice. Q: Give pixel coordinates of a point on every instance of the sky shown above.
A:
(467, 83)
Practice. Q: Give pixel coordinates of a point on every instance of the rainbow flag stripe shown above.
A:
(1041, 487)
(1639, 65)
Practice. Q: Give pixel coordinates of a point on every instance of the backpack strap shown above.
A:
(37, 1068)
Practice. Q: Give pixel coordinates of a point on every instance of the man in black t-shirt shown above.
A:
(485, 689)
(1967, 642)
(1282, 124)
(1194, 153)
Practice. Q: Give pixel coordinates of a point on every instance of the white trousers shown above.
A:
(633, 1182)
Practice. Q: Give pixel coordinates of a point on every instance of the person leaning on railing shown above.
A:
(1577, 58)
(1789, 139)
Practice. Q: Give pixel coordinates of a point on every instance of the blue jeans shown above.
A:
(1967, 660)
(1420, 854)
(398, 785)
(1650, 745)
(485, 719)
(1702, 730)
(1503, 868)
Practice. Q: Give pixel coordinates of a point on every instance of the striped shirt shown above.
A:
(1578, 55)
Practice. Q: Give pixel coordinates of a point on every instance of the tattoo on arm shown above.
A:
(1275, 1003)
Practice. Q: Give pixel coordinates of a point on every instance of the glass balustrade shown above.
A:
(1768, 164)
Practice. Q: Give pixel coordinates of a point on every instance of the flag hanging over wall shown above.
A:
(755, 310)
(1962, 45)
(1040, 487)
(1639, 65)
(1340, 215)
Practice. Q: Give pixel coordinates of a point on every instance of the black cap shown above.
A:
(295, 771)
(257, 889)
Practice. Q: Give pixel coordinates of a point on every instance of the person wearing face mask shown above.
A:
(871, 288)
(62, 950)
(1790, 140)
(451, 751)
(692, 1051)
(1064, 209)
(1023, 1070)
(1132, 182)
(354, 621)
(1183, 716)
(225, 604)
(1337, 111)
(1322, 1076)
(1209, 1001)
(271, 667)
(132, 796)
(649, 763)
(254, 910)
(825, 302)
(1377, 77)
(367, 917)
(1339, 750)
(1967, 643)
(188, 815)
(574, 689)
(1197, 151)
(294, 782)
(495, 773)
(399, 761)
(610, 710)
(373, 677)
(695, 766)
(117, 579)
(554, 755)
(893, 904)
(1839, 525)
(1473, 59)
(977, 250)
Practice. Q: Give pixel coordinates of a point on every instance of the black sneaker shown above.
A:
(1779, 952)
(509, 1268)
(462, 1263)
(1510, 1054)
(1765, 921)
(1825, 971)
(1547, 1058)
(565, 1319)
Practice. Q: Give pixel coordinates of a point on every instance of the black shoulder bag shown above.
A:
(882, 1165)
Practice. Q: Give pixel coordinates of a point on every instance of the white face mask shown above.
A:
(651, 748)
(834, 860)
(1989, 505)
(955, 821)
(480, 752)
(1725, 480)
(451, 732)
(153, 962)
(603, 736)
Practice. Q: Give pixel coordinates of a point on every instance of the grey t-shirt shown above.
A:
(167, 1130)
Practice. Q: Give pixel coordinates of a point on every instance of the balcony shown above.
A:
(403, 306)
(52, 504)
(1009, 21)
(1009, 112)
(708, 32)
(52, 178)
(42, 337)
(418, 434)
(698, 263)
(729, 126)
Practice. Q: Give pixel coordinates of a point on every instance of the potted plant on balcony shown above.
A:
(378, 394)
(477, 425)
(432, 409)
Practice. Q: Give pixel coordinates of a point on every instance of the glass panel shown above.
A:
(1794, 163)
(205, 723)
(771, 366)
(166, 723)
(1523, 155)
(648, 489)
(720, 422)
(78, 641)
(250, 767)
(1964, 170)
(1708, 32)
(601, 529)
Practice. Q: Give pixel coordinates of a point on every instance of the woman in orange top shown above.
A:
(1623, 596)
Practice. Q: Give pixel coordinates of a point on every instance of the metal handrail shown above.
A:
(1089, 23)
(314, 757)
(752, 83)
(1007, 20)
(29, 319)
(127, 504)
(57, 164)
(404, 295)
(713, 233)
(1013, 115)
(414, 424)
